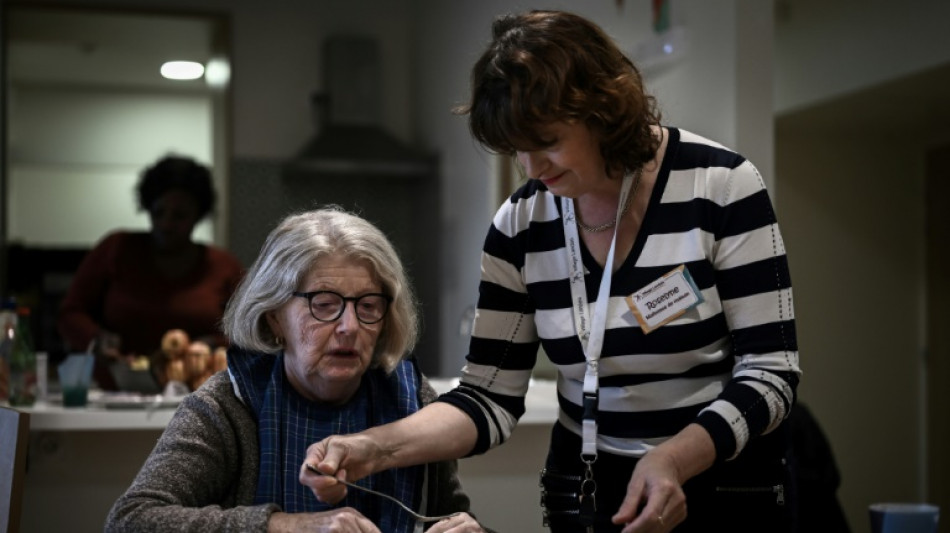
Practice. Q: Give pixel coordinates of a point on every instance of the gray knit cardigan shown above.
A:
(202, 474)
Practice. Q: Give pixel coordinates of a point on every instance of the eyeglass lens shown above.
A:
(328, 306)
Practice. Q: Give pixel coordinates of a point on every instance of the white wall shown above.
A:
(75, 156)
(827, 49)
(277, 51)
(854, 240)
(852, 212)
(276, 62)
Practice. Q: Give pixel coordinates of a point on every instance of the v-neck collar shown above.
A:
(662, 179)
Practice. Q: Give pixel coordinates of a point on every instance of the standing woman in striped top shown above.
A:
(647, 263)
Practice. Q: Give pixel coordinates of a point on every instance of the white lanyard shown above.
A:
(590, 332)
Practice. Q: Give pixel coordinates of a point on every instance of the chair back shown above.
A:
(14, 440)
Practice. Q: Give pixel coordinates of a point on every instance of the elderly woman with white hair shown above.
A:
(321, 328)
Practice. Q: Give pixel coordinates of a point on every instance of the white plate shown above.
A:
(129, 400)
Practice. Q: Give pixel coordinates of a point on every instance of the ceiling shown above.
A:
(87, 47)
(115, 48)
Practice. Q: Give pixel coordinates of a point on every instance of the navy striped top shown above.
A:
(729, 363)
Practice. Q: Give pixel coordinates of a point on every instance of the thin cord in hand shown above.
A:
(417, 516)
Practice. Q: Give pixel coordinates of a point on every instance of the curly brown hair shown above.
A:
(543, 67)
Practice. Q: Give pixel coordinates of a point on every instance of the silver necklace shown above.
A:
(613, 222)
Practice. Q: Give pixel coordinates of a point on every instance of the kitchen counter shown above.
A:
(111, 413)
(55, 417)
(96, 451)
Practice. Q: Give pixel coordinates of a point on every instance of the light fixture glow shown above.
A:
(662, 50)
(217, 72)
(182, 70)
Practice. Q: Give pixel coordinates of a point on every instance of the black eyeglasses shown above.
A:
(327, 306)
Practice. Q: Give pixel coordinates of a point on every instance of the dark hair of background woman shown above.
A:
(180, 173)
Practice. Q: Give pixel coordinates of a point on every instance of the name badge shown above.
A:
(665, 299)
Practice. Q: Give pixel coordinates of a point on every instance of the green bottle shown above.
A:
(7, 334)
(22, 362)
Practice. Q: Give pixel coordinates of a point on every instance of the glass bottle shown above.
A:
(23, 362)
(7, 334)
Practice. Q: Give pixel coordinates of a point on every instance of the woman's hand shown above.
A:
(343, 520)
(655, 500)
(460, 523)
(107, 345)
(346, 457)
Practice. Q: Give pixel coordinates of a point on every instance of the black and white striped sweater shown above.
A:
(730, 363)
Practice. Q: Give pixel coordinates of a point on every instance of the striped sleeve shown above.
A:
(754, 285)
(504, 344)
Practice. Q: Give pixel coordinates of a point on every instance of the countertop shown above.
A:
(110, 413)
(103, 413)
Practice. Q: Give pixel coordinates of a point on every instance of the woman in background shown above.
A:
(647, 261)
(133, 287)
(322, 327)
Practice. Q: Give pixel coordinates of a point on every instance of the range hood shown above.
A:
(349, 136)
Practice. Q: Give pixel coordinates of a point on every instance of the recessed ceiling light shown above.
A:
(182, 70)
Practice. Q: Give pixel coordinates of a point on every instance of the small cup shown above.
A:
(75, 396)
(75, 376)
(904, 517)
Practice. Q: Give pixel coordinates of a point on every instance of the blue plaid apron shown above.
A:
(288, 423)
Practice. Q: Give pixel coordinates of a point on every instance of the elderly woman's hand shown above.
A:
(460, 523)
(343, 520)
